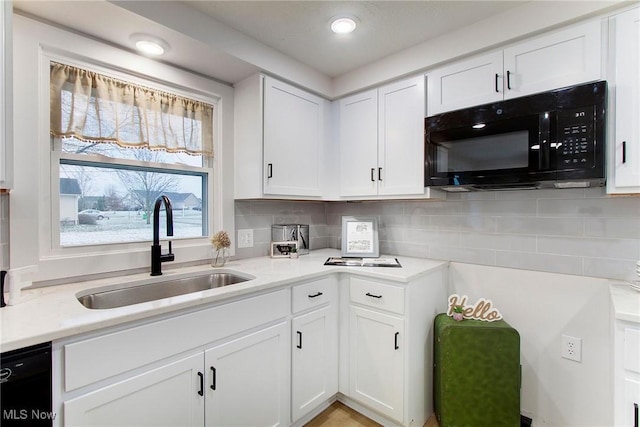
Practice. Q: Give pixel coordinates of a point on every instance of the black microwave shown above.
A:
(551, 139)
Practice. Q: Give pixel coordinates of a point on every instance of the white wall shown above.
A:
(30, 199)
(542, 307)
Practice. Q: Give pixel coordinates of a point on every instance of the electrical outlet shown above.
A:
(245, 238)
(572, 348)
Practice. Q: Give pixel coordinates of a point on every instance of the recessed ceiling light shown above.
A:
(478, 126)
(343, 25)
(149, 45)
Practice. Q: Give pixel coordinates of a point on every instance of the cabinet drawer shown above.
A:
(98, 358)
(377, 295)
(313, 294)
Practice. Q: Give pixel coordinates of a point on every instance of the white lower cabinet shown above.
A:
(314, 345)
(377, 361)
(273, 359)
(387, 359)
(214, 388)
(626, 373)
(165, 396)
(226, 365)
(313, 360)
(247, 380)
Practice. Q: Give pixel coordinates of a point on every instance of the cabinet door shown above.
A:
(376, 361)
(563, 58)
(627, 100)
(401, 137)
(631, 402)
(247, 380)
(167, 396)
(314, 360)
(358, 144)
(474, 81)
(293, 132)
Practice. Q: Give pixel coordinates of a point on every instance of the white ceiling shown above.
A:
(297, 29)
(300, 29)
(231, 40)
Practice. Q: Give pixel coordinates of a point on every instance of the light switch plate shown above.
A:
(245, 238)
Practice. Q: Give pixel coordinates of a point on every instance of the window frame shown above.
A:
(195, 249)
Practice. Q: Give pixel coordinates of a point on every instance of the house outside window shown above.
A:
(69, 195)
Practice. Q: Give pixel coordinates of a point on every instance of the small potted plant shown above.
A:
(221, 244)
(458, 314)
(293, 253)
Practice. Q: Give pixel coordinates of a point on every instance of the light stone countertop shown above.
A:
(626, 302)
(54, 312)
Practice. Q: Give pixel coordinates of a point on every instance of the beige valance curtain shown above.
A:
(99, 109)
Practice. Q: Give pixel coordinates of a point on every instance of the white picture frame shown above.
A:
(360, 237)
(283, 249)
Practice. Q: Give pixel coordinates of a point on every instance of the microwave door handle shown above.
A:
(544, 142)
(545, 154)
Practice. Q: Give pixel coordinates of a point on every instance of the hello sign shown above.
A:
(481, 310)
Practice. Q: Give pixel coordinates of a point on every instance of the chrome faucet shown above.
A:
(157, 257)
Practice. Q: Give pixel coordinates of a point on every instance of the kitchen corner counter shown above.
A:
(54, 312)
(625, 302)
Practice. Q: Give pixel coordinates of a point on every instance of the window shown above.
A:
(118, 147)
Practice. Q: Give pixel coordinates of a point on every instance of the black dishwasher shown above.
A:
(25, 387)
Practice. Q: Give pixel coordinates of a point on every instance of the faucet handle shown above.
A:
(170, 247)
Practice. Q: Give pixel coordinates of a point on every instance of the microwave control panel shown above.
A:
(575, 148)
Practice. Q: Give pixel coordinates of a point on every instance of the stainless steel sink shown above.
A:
(112, 298)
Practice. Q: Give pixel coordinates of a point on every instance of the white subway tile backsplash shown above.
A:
(610, 268)
(544, 226)
(624, 228)
(595, 207)
(433, 237)
(573, 231)
(590, 247)
(254, 221)
(498, 241)
(472, 256)
(464, 223)
(499, 207)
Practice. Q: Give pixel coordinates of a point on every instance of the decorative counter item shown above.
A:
(221, 244)
(458, 314)
(293, 253)
(360, 237)
(283, 249)
(483, 309)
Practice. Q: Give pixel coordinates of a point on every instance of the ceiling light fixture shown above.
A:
(343, 25)
(149, 45)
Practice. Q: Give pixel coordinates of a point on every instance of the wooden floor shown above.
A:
(339, 415)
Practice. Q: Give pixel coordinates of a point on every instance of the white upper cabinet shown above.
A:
(624, 140)
(6, 98)
(401, 137)
(382, 141)
(550, 61)
(293, 123)
(359, 144)
(279, 134)
(473, 81)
